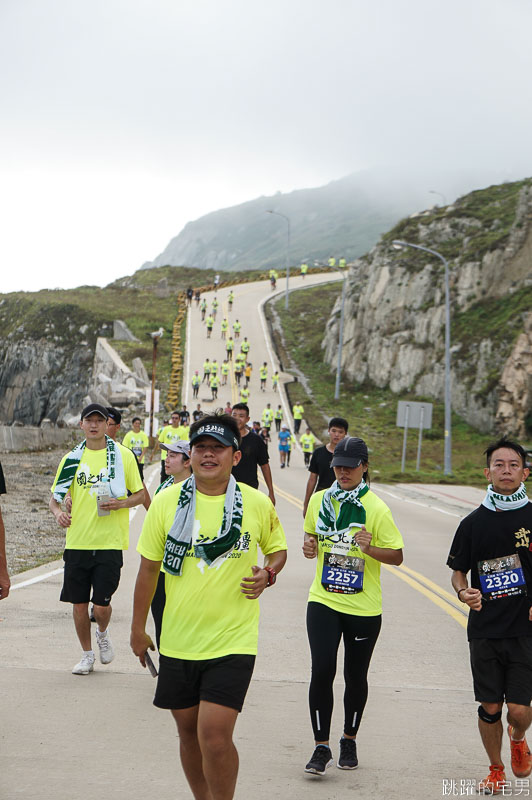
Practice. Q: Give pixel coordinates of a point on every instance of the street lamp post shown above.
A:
(278, 214)
(343, 273)
(433, 191)
(447, 470)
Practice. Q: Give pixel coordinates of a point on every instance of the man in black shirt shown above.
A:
(254, 453)
(494, 544)
(321, 473)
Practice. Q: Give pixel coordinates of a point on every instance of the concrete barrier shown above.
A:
(16, 438)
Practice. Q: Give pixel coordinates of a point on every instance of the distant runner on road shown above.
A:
(297, 413)
(307, 442)
(351, 532)
(493, 545)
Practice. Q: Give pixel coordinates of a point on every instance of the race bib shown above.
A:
(137, 451)
(342, 574)
(501, 577)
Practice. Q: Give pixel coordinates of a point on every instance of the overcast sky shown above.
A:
(121, 120)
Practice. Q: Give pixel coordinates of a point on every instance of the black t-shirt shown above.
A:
(184, 417)
(196, 415)
(254, 452)
(484, 535)
(2, 482)
(320, 465)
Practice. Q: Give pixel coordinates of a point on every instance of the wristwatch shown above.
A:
(272, 576)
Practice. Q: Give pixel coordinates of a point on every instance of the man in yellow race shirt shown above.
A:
(205, 532)
(304, 270)
(267, 417)
(237, 327)
(307, 442)
(224, 327)
(169, 434)
(215, 382)
(137, 441)
(263, 374)
(224, 369)
(278, 417)
(97, 530)
(230, 300)
(297, 412)
(214, 367)
(209, 322)
(196, 381)
(275, 380)
(244, 347)
(229, 347)
(244, 394)
(206, 370)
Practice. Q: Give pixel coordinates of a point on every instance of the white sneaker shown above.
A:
(84, 666)
(107, 652)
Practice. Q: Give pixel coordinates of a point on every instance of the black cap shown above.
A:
(115, 414)
(222, 433)
(94, 408)
(350, 452)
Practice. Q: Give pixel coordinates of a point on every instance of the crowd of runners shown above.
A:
(200, 574)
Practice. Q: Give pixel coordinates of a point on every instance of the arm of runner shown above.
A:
(254, 585)
(63, 518)
(127, 502)
(68, 502)
(471, 597)
(383, 554)
(147, 578)
(311, 485)
(267, 474)
(310, 545)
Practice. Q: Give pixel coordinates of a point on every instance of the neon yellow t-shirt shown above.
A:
(244, 347)
(379, 522)
(267, 416)
(170, 435)
(244, 394)
(214, 367)
(88, 531)
(263, 372)
(307, 442)
(225, 369)
(205, 614)
(237, 326)
(298, 411)
(136, 442)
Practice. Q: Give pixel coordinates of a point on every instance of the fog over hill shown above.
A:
(343, 218)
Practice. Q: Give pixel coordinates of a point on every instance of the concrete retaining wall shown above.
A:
(15, 438)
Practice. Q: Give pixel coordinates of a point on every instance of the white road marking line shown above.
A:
(417, 503)
(37, 579)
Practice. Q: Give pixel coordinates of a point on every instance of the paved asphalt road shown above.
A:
(65, 737)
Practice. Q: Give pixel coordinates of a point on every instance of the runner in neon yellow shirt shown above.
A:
(229, 347)
(96, 531)
(169, 434)
(297, 412)
(275, 381)
(215, 382)
(214, 367)
(196, 381)
(224, 326)
(230, 300)
(237, 327)
(307, 442)
(137, 440)
(263, 374)
(244, 394)
(278, 417)
(209, 322)
(210, 613)
(267, 417)
(224, 369)
(206, 370)
(304, 269)
(351, 532)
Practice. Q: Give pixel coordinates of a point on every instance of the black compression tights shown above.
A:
(325, 628)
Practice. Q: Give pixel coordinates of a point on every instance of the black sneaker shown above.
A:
(348, 754)
(321, 759)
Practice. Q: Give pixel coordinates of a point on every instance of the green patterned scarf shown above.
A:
(115, 470)
(165, 484)
(351, 509)
(179, 537)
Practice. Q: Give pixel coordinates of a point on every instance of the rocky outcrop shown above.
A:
(394, 311)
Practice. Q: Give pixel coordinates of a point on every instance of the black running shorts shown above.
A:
(98, 570)
(182, 684)
(502, 670)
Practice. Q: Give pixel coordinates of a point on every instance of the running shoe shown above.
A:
(321, 759)
(496, 781)
(84, 666)
(105, 646)
(348, 754)
(521, 757)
